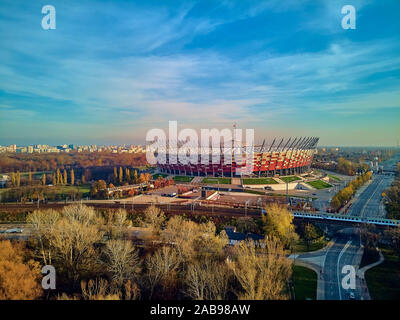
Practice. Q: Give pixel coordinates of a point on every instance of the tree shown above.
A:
(65, 177)
(310, 234)
(335, 203)
(261, 271)
(83, 179)
(115, 175)
(44, 179)
(98, 189)
(162, 269)
(153, 218)
(394, 235)
(58, 176)
(18, 179)
(19, 279)
(121, 260)
(116, 224)
(13, 179)
(121, 175)
(97, 289)
(30, 177)
(207, 280)
(278, 222)
(54, 180)
(193, 240)
(135, 177)
(72, 177)
(69, 240)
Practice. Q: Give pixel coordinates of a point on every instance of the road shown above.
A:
(346, 248)
(368, 204)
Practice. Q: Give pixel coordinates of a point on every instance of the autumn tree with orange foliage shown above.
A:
(19, 279)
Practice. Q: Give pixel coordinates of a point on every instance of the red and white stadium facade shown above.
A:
(281, 157)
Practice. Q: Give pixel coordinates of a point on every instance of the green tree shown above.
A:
(310, 234)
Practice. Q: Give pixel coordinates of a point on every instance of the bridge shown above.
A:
(346, 218)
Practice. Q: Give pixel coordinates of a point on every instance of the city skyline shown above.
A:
(106, 76)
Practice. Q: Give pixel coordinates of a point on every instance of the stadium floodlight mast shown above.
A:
(184, 147)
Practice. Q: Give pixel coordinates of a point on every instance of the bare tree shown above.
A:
(207, 280)
(67, 239)
(121, 260)
(98, 289)
(43, 223)
(262, 272)
(161, 267)
(193, 240)
(153, 218)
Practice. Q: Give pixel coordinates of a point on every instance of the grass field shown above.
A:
(319, 184)
(259, 181)
(182, 179)
(163, 175)
(216, 180)
(334, 177)
(384, 280)
(83, 189)
(289, 179)
(301, 246)
(305, 283)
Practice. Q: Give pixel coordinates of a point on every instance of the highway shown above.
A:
(346, 248)
(368, 204)
(345, 251)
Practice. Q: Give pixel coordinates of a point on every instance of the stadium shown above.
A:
(280, 157)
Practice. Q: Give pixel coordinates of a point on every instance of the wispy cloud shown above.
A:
(133, 65)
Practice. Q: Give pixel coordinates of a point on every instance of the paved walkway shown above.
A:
(361, 276)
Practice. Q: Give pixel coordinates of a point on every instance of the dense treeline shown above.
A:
(95, 258)
(393, 197)
(342, 166)
(43, 193)
(344, 195)
(24, 162)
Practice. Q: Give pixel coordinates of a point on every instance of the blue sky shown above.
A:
(113, 70)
